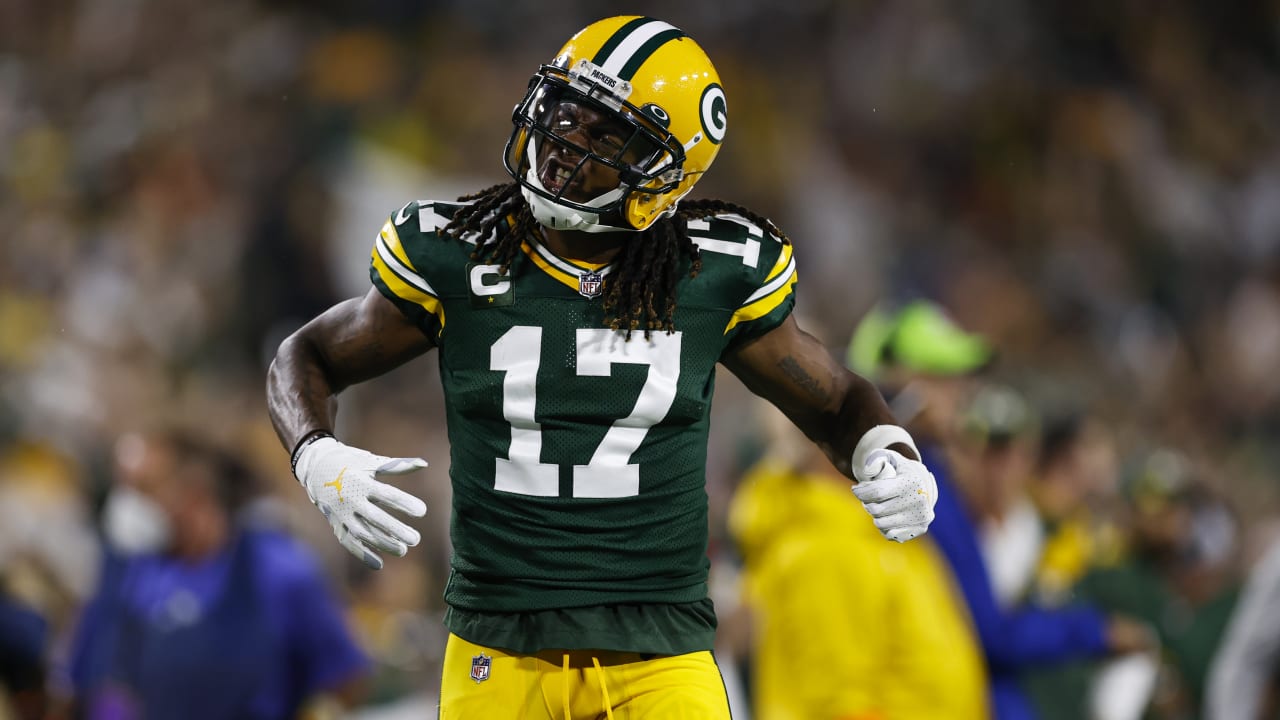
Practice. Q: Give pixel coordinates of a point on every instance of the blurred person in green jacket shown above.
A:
(1178, 575)
(1076, 490)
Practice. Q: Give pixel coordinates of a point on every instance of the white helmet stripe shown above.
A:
(617, 59)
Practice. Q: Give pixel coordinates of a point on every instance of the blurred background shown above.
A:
(1091, 187)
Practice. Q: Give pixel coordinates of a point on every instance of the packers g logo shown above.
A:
(488, 287)
(715, 113)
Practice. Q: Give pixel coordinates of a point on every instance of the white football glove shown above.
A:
(346, 484)
(898, 493)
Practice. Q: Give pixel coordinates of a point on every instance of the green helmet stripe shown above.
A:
(627, 49)
(616, 39)
(628, 71)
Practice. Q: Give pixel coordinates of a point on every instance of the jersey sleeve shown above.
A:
(769, 292)
(397, 267)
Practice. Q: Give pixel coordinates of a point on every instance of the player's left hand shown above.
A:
(899, 493)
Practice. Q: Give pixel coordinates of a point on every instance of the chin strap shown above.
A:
(559, 217)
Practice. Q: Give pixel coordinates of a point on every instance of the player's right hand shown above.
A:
(346, 483)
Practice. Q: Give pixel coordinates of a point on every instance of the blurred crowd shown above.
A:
(1091, 188)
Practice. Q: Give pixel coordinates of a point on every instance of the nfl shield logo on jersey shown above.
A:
(480, 667)
(589, 284)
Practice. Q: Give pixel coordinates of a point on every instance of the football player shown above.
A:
(579, 313)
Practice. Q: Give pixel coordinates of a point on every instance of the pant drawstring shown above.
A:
(564, 688)
(604, 690)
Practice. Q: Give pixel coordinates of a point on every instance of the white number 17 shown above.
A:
(609, 474)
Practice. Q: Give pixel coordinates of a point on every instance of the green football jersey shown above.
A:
(578, 458)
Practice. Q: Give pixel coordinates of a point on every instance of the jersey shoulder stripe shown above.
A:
(767, 298)
(390, 258)
(392, 267)
(401, 259)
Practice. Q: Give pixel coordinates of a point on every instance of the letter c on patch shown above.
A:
(486, 280)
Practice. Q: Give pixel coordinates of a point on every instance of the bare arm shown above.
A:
(351, 342)
(831, 405)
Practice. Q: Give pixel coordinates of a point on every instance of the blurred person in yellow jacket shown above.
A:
(897, 645)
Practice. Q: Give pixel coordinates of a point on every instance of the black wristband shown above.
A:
(306, 440)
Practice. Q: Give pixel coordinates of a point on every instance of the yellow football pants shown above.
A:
(481, 683)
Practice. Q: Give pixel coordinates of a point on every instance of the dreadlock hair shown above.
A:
(640, 293)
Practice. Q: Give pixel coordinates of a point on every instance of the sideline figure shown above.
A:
(579, 314)
(205, 610)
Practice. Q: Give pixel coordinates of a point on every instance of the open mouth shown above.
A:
(557, 176)
(554, 177)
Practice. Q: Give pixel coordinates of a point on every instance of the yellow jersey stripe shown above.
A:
(404, 290)
(784, 259)
(392, 239)
(555, 272)
(772, 284)
(572, 267)
(764, 305)
(407, 275)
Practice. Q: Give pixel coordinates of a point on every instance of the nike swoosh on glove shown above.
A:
(898, 493)
(346, 484)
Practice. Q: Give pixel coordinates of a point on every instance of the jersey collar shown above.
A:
(572, 274)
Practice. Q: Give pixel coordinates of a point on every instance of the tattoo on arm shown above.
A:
(796, 372)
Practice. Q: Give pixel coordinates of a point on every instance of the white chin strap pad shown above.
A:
(877, 438)
(552, 215)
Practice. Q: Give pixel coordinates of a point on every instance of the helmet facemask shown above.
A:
(575, 128)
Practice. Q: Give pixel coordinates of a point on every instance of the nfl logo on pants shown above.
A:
(480, 667)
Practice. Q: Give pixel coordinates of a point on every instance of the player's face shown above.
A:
(595, 131)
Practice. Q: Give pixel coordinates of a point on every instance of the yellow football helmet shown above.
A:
(658, 89)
